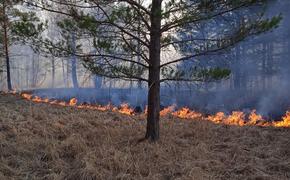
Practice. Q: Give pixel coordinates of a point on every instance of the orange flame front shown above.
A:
(237, 118)
(285, 121)
(186, 113)
(167, 111)
(124, 109)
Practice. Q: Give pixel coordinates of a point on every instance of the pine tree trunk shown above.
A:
(74, 73)
(34, 72)
(97, 81)
(264, 66)
(27, 74)
(63, 73)
(52, 72)
(9, 84)
(68, 69)
(6, 44)
(237, 75)
(74, 63)
(152, 131)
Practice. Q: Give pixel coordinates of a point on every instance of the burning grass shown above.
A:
(237, 118)
(42, 141)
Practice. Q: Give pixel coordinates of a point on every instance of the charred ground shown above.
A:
(40, 141)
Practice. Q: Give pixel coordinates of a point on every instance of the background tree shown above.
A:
(69, 33)
(131, 37)
(17, 26)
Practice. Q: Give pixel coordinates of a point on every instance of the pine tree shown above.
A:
(130, 37)
(17, 25)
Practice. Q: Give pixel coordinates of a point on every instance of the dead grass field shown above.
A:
(40, 141)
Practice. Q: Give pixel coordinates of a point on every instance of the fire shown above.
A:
(186, 113)
(37, 99)
(285, 121)
(217, 118)
(103, 108)
(124, 109)
(167, 111)
(27, 96)
(254, 118)
(73, 102)
(237, 118)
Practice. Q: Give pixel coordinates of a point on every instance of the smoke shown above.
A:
(260, 78)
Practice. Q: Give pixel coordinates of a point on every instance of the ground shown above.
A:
(41, 141)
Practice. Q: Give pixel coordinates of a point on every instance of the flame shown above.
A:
(73, 102)
(285, 121)
(167, 111)
(27, 96)
(237, 118)
(254, 118)
(217, 118)
(37, 99)
(186, 113)
(124, 109)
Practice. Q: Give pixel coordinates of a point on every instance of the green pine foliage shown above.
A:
(120, 35)
(23, 25)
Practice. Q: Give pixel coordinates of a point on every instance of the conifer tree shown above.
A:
(130, 37)
(17, 26)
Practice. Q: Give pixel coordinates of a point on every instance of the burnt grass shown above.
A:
(41, 141)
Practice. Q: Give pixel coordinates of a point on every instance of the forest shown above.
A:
(144, 89)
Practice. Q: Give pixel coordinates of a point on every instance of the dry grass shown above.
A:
(39, 141)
